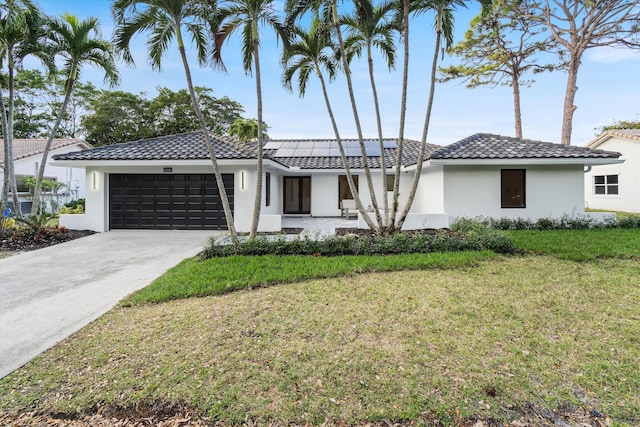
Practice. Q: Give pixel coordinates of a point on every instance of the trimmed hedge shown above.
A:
(367, 244)
(566, 222)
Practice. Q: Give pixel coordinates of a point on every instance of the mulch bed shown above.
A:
(28, 239)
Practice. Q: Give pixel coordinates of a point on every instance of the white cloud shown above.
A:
(610, 55)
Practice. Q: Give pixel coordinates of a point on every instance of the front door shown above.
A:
(297, 194)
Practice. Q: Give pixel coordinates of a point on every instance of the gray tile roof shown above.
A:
(409, 156)
(191, 146)
(23, 148)
(488, 146)
(185, 146)
(633, 134)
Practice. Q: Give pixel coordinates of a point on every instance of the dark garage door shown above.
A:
(180, 201)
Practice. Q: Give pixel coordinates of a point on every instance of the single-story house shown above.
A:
(27, 154)
(615, 186)
(167, 182)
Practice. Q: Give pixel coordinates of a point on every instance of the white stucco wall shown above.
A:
(628, 197)
(551, 191)
(97, 204)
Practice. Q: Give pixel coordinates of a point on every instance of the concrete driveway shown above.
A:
(48, 294)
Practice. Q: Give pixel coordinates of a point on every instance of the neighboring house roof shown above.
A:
(23, 148)
(184, 146)
(481, 146)
(488, 146)
(629, 134)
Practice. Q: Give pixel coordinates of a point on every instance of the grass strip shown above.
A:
(579, 245)
(215, 276)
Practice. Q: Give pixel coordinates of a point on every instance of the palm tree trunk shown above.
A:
(403, 113)
(258, 200)
(212, 154)
(37, 191)
(5, 140)
(9, 160)
(569, 98)
(383, 166)
(425, 131)
(356, 118)
(350, 182)
(516, 105)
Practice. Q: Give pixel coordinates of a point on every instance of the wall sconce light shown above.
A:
(242, 180)
(94, 180)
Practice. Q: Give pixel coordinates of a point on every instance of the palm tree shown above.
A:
(72, 39)
(443, 26)
(372, 27)
(165, 20)
(247, 16)
(22, 33)
(309, 53)
(295, 9)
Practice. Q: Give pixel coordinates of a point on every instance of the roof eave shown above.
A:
(151, 162)
(530, 161)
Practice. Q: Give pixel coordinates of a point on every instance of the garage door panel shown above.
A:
(182, 201)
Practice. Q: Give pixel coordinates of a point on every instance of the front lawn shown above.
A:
(533, 339)
(580, 245)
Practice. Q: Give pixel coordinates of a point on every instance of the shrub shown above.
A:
(399, 243)
(79, 209)
(565, 222)
(73, 204)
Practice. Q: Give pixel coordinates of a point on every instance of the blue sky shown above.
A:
(609, 89)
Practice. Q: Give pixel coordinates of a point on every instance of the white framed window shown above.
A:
(605, 184)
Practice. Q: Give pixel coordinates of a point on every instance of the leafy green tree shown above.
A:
(39, 97)
(247, 16)
(372, 27)
(22, 34)
(246, 130)
(166, 20)
(76, 43)
(579, 25)
(500, 49)
(620, 124)
(117, 117)
(172, 111)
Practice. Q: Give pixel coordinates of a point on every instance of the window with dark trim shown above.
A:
(390, 181)
(344, 192)
(605, 184)
(513, 184)
(267, 189)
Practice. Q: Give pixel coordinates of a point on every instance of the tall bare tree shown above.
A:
(166, 20)
(579, 25)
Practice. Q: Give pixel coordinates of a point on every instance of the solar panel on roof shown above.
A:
(272, 145)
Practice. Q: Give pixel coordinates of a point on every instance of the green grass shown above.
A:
(215, 276)
(579, 245)
(364, 345)
(411, 345)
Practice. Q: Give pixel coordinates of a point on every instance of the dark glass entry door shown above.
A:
(297, 194)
